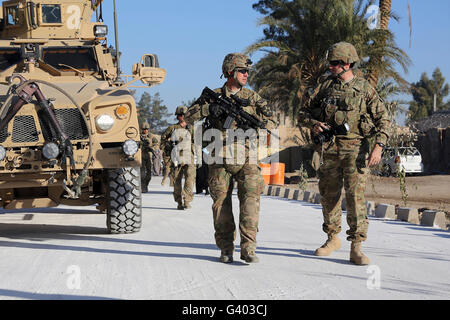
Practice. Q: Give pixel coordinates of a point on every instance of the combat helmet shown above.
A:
(343, 51)
(233, 61)
(145, 125)
(181, 110)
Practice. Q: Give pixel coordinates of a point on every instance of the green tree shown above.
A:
(297, 36)
(189, 102)
(423, 93)
(152, 110)
(376, 59)
(388, 91)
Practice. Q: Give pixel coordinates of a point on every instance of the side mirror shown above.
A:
(150, 60)
(148, 70)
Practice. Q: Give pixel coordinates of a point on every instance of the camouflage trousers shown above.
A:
(345, 165)
(168, 170)
(184, 193)
(146, 173)
(250, 185)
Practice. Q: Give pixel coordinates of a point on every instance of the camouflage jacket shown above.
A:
(257, 106)
(148, 143)
(355, 102)
(167, 143)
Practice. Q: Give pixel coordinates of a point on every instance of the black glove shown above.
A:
(214, 110)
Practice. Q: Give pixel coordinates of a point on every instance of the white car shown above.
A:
(395, 159)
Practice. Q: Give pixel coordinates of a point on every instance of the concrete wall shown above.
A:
(293, 157)
(434, 146)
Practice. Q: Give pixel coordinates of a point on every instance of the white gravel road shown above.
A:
(65, 253)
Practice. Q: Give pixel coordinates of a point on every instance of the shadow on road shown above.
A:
(174, 208)
(296, 253)
(88, 210)
(46, 296)
(37, 234)
(159, 192)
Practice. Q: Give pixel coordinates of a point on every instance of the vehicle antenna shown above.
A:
(116, 32)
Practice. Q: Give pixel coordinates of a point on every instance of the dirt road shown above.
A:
(430, 192)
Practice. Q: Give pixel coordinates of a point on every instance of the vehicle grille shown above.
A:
(71, 122)
(25, 129)
(3, 134)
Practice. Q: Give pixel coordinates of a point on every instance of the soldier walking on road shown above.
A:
(343, 112)
(221, 175)
(166, 163)
(148, 143)
(182, 165)
(201, 180)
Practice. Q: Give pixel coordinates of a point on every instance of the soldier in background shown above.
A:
(250, 183)
(201, 180)
(343, 112)
(182, 167)
(157, 161)
(167, 163)
(148, 143)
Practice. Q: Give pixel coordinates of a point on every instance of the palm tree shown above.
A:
(385, 14)
(296, 38)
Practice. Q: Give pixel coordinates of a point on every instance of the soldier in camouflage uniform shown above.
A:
(148, 143)
(182, 168)
(344, 98)
(166, 149)
(167, 166)
(247, 175)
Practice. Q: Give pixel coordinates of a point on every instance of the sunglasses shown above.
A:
(243, 71)
(335, 63)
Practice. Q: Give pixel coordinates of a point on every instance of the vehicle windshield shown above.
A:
(51, 13)
(12, 15)
(408, 152)
(80, 58)
(402, 151)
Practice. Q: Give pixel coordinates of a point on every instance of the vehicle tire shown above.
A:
(124, 200)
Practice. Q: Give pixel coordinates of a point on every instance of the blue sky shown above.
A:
(192, 37)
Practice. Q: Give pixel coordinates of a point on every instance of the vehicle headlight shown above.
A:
(104, 122)
(121, 111)
(100, 31)
(130, 147)
(2, 153)
(50, 150)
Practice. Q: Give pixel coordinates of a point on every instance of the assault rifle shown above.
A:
(145, 144)
(233, 109)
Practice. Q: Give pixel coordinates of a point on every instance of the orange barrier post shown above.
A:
(265, 172)
(277, 173)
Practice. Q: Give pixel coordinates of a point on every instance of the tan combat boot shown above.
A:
(356, 255)
(332, 244)
(180, 206)
(226, 256)
(187, 205)
(249, 256)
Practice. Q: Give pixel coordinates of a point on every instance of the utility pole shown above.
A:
(434, 103)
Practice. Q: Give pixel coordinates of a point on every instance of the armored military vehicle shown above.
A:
(69, 130)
